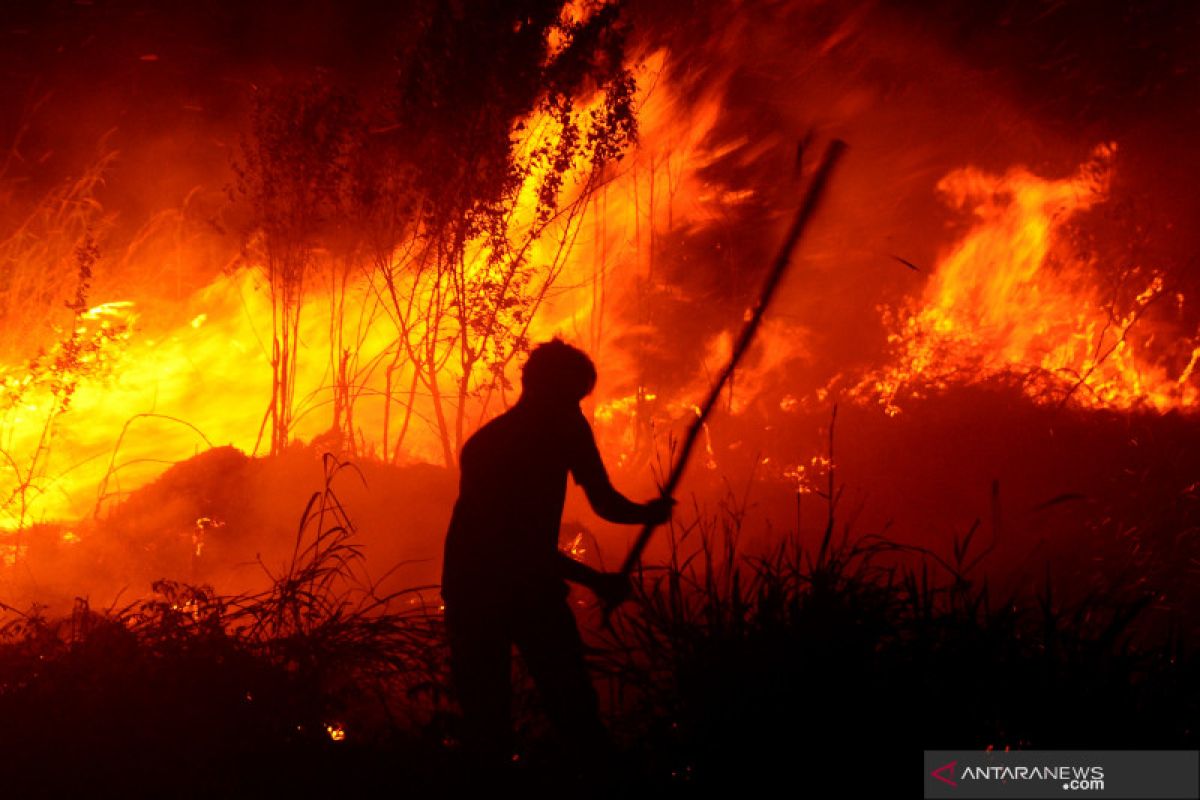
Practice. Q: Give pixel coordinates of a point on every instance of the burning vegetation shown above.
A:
(275, 263)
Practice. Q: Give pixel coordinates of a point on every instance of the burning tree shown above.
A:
(501, 126)
(36, 397)
(292, 171)
(459, 191)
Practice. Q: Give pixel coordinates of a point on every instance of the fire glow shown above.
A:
(383, 334)
(1000, 302)
(381, 371)
(894, 304)
(1008, 300)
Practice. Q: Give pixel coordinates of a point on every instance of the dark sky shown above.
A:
(149, 69)
(168, 83)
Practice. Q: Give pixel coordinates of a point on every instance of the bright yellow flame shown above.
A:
(146, 398)
(576, 548)
(150, 397)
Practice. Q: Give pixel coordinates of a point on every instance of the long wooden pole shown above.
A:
(778, 268)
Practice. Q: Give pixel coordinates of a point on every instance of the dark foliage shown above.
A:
(731, 670)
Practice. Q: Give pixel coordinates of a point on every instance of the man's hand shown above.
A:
(613, 588)
(658, 512)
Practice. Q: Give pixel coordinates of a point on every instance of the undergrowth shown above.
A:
(729, 669)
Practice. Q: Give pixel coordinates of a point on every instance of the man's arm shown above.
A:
(588, 469)
(575, 571)
(612, 588)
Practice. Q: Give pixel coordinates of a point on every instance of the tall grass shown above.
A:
(826, 652)
(190, 691)
(737, 668)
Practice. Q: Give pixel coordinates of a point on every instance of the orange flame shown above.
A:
(154, 396)
(1008, 300)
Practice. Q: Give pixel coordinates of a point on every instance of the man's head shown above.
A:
(557, 372)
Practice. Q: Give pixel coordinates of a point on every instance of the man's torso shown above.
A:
(504, 530)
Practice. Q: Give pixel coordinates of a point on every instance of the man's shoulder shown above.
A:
(579, 422)
(519, 416)
(507, 425)
(566, 428)
(494, 425)
(569, 426)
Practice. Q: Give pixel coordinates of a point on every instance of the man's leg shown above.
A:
(548, 638)
(481, 668)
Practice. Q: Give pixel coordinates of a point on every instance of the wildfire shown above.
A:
(141, 398)
(1009, 299)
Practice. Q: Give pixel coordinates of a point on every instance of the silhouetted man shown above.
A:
(503, 576)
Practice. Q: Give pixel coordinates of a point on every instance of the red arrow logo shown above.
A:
(943, 778)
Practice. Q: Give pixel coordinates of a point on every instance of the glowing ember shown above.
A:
(576, 548)
(806, 476)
